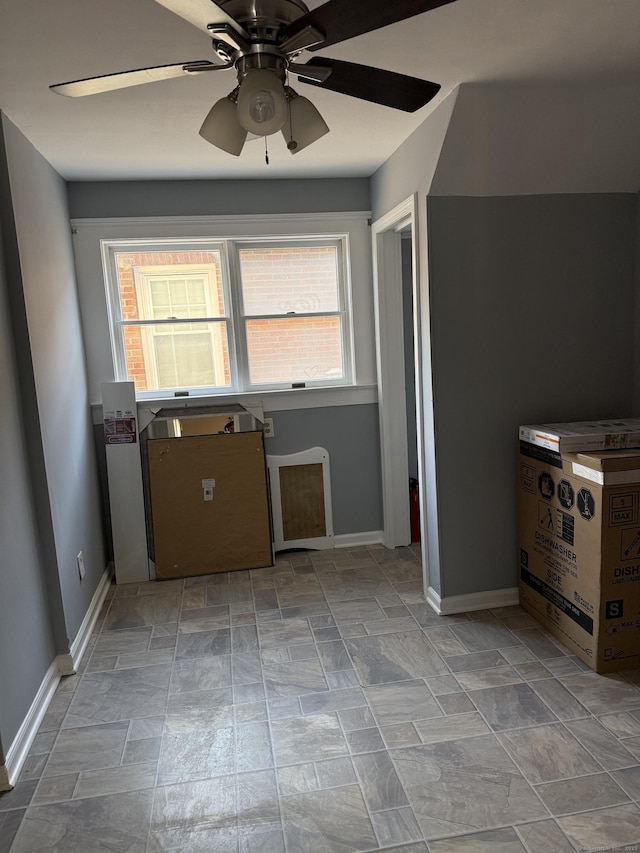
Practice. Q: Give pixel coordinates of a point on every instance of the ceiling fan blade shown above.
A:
(123, 79)
(201, 13)
(340, 20)
(370, 84)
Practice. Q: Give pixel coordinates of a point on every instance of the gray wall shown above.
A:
(24, 655)
(90, 200)
(517, 290)
(55, 509)
(350, 434)
(41, 217)
(532, 320)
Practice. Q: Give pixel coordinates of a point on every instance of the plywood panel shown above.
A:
(197, 531)
(302, 499)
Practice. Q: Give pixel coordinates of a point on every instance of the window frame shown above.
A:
(234, 316)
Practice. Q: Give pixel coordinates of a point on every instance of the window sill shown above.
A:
(284, 399)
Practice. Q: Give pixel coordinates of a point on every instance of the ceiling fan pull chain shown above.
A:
(266, 152)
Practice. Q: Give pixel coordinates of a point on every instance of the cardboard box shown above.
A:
(588, 435)
(579, 550)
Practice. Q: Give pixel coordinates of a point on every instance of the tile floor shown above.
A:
(320, 706)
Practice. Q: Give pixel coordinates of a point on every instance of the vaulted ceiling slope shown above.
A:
(151, 131)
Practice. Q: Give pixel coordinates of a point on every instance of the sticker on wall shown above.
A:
(120, 427)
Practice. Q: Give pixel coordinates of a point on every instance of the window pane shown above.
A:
(177, 356)
(289, 350)
(156, 285)
(302, 279)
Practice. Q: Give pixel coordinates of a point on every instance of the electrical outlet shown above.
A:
(80, 559)
(268, 428)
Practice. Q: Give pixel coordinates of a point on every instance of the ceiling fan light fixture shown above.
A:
(262, 103)
(305, 124)
(222, 128)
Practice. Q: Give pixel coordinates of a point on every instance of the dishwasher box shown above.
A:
(584, 435)
(579, 550)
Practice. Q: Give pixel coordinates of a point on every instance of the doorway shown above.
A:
(400, 388)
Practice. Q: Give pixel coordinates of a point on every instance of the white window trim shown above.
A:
(87, 237)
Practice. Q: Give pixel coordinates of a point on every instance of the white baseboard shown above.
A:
(79, 645)
(19, 749)
(474, 601)
(64, 664)
(352, 540)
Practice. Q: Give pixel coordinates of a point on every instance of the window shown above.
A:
(233, 315)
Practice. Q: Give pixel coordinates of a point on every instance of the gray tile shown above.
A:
(356, 611)
(356, 718)
(602, 693)
(196, 816)
(19, 797)
(456, 703)
(475, 660)
(493, 841)
(246, 668)
(335, 772)
(143, 610)
(571, 795)
(115, 642)
(394, 657)
(312, 738)
(204, 643)
(258, 805)
(333, 700)
(558, 698)
(293, 678)
(187, 757)
(540, 644)
(451, 728)
(94, 825)
(444, 641)
(459, 785)
(284, 632)
(333, 820)
(629, 779)
(511, 707)
(483, 635)
(123, 695)
(201, 674)
(402, 702)
(603, 829)
(244, 638)
(495, 676)
(365, 740)
(396, 826)
(334, 656)
(116, 780)
(200, 710)
(298, 779)
(548, 753)
(611, 753)
(87, 748)
(544, 836)
(253, 747)
(380, 783)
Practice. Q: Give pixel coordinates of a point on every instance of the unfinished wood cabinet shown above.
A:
(209, 504)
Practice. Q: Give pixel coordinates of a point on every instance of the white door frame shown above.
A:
(387, 272)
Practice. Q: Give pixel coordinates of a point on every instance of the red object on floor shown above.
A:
(414, 512)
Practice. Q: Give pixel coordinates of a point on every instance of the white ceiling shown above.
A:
(151, 131)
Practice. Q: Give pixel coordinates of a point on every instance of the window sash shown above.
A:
(233, 316)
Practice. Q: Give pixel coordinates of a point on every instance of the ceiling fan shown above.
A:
(262, 40)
